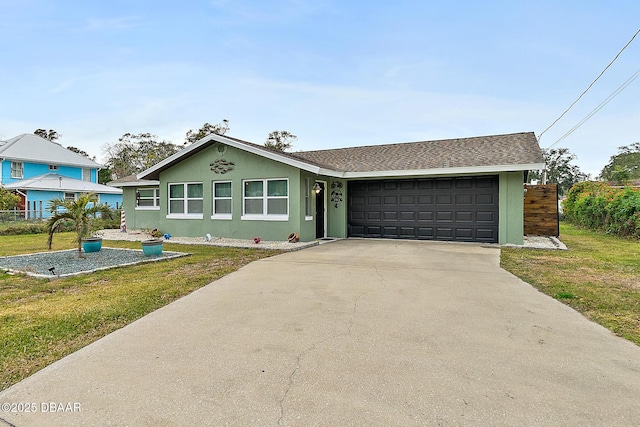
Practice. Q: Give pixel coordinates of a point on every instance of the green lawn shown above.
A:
(42, 321)
(599, 276)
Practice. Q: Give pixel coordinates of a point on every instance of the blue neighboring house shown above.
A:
(39, 170)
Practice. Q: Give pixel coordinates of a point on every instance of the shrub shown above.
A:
(598, 206)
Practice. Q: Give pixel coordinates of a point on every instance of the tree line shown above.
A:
(133, 153)
(622, 168)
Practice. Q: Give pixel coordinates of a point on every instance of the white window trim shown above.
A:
(21, 170)
(53, 167)
(265, 198)
(156, 199)
(214, 215)
(185, 201)
(88, 171)
(308, 205)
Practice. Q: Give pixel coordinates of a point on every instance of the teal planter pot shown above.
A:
(92, 244)
(152, 247)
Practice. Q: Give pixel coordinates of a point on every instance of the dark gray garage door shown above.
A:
(461, 209)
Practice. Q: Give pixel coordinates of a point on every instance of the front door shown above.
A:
(320, 208)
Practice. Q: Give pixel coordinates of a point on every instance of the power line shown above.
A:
(587, 89)
(599, 107)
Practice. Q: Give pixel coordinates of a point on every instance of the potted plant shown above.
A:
(81, 212)
(153, 246)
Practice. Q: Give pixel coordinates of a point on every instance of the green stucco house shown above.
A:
(467, 189)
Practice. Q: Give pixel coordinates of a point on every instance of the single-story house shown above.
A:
(466, 189)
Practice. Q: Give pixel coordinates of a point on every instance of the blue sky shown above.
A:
(335, 73)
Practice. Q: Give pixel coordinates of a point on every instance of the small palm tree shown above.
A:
(80, 211)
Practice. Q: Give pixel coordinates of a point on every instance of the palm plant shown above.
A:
(80, 211)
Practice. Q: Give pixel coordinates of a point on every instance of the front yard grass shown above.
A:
(599, 276)
(42, 321)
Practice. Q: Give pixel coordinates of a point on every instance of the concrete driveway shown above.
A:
(355, 332)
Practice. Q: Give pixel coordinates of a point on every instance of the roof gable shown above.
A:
(153, 172)
(34, 148)
(495, 153)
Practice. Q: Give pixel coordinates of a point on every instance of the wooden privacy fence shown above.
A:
(541, 210)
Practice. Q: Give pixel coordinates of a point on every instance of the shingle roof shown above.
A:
(29, 147)
(516, 151)
(495, 150)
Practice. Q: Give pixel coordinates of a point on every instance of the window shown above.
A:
(70, 196)
(148, 198)
(53, 167)
(266, 199)
(185, 200)
(222, 201)
(307, 199)
(17, 170)
(86, 175)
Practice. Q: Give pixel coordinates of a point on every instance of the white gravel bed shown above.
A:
(66, 263)
(139, 235)
(534, 242)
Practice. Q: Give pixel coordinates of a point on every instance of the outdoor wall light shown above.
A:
(317, 188)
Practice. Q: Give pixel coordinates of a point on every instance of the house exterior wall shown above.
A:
(113, 200)
(31, 169)
(246, 166)
(5, 172)
(337, 208)
(511, 199)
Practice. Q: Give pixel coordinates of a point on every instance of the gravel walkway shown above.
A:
(534, 242)
(139, 235)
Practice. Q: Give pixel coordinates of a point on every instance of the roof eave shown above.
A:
(464, 170)
(207, 140)
(143, 183)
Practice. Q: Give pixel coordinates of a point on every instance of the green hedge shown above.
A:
(38, 226)
(598, 206)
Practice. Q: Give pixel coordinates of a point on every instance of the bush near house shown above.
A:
(17, 228)
(599, 206)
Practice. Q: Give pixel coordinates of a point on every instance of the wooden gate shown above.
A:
(541, 210)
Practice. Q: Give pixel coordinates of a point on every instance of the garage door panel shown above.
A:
(425, 216)
(425, 233)
(374, 215)
(390, 200)
(425, 184)
(408, 232)
(444, 216)
(464, 183)
(390, 216)
(444, 184)
(407, 199)
(425, 199)
(464, 216)
(486, 199)
(464, 234)
(444, 199)
(444, 233)
(408, 216)
(464, 209)
(486, 217)
(464, 199)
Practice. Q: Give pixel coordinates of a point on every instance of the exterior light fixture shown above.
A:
(317, 188)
